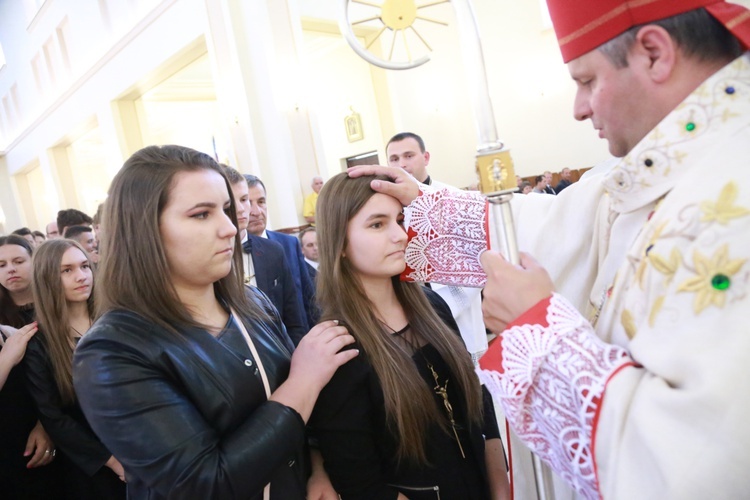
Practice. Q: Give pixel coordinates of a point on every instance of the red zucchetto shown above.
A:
(583, 25)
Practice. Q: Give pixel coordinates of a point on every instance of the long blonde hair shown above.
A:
(409, 404)
(52, 311)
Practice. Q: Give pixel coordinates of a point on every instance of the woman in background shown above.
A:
(406, 418)
(27, 463)
(63, 288)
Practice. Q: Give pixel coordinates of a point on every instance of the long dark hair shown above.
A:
(134, 275)
(52, 311)
(10, 313)
(409, 404)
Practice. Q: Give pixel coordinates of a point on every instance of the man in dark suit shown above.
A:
(272, 276)
(257, 218)
(548, 183)
(265, 265)
(564, 180)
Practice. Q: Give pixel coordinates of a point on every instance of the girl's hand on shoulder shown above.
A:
(15, 346)
(319, 353)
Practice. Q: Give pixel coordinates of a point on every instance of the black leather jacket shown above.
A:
(187, 415)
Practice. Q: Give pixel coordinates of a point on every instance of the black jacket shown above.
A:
(187, 415)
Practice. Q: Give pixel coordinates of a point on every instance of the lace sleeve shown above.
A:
(447, 233)
(549, 370)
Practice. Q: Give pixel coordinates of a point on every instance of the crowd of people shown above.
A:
(237, 353)
(173, 346)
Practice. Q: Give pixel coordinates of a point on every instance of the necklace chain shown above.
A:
(79, 333)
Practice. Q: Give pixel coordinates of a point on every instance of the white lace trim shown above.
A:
(450, 227)
(551, 387)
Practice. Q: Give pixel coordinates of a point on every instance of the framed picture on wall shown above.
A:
(353, 126)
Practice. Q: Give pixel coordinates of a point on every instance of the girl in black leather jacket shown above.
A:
(187, 375)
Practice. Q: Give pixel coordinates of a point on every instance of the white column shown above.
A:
(253, 52)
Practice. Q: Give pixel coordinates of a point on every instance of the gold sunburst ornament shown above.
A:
(399, 18)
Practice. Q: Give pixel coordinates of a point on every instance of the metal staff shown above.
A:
(493, 161)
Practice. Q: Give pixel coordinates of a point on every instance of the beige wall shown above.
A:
(276, 84)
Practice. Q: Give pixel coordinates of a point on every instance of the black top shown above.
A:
(186, 414)
(17, 412)
(359, 449)
(18, 416)
(64, 422)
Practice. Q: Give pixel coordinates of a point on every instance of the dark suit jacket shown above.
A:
(297, 265)
(562, 185)
(274, 278)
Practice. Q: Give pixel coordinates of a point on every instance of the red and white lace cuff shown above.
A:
(447, 233)
(549, 370)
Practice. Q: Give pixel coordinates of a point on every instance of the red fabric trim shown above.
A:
(595, 423)
(493, 358)
(410, 234)
(735, 17)
(536, 315)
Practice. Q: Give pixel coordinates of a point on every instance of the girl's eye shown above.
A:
(201, 215)
(85, 266)
(376, 225)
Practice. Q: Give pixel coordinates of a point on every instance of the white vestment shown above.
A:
(635, 384)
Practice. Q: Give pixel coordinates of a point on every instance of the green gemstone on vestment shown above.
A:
(720, 282)
(690, 126)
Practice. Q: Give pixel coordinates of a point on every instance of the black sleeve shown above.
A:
(259, 298)
(185, 456)
(294, 315)
(308, 289)
(344, 425)
(72, 436)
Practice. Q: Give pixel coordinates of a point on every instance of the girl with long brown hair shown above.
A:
(187, 375)
(63, 288)
(27, 454)
(406, 418)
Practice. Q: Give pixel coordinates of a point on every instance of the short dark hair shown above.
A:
(538, 179)
(72, 231)
(39, 233)
(232, 174)
(696, 32)
(253, 181)
(72, 217)
(22, 231)
(406, 135)
(305, 231)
